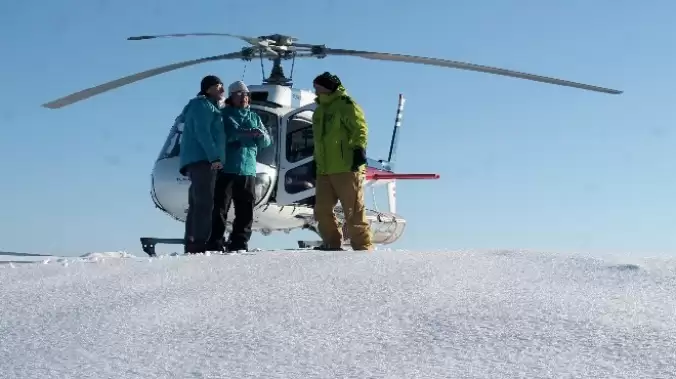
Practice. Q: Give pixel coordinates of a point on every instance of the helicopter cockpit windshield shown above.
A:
(265, 156)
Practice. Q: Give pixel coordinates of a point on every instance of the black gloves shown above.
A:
(235, 144)
(358, 158)
(313, 170)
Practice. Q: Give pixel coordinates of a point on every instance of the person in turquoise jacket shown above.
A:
(201, 156)
(245, 135)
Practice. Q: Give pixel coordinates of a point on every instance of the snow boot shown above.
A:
(195, 248)
(217, 245)
(324, 247)
(231, 247)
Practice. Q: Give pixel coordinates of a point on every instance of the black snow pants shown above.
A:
(240, 191)
(200, 206)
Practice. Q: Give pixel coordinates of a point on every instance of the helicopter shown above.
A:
(284, 187)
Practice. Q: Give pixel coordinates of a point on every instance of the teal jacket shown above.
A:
(245, 135)
(203, 138)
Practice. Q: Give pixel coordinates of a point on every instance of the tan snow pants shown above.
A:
(348, 188)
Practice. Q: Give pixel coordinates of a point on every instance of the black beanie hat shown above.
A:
(327, 80)
(207, 82)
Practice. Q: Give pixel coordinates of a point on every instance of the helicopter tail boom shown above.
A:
(395, 176)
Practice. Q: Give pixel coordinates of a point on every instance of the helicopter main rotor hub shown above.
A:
(278, 47)
(278, 39)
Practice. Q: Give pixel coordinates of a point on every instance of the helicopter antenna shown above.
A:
(260, 54)
(293, 64)
(244, 71)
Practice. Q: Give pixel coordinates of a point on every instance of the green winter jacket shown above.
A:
(338, 127)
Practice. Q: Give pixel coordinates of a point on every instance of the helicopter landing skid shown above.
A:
(148, 244)
(309, 244)
(385, 228)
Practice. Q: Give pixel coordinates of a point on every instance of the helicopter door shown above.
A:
(295, 182)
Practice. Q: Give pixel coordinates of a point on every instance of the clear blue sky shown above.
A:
(522, 164)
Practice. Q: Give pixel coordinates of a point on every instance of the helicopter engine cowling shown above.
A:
(169, 188)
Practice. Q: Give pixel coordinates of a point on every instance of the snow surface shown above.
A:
(295, 314)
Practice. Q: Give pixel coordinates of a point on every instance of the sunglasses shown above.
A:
(240, 93)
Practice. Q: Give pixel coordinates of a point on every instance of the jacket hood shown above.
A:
(205, 97)
(340, 91)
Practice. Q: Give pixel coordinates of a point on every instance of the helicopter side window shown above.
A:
(299, 140)
(299, 179)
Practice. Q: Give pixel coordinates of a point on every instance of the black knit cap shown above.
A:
(328, 80)
(207, 82)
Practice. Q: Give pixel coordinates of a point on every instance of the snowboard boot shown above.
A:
(217, 245)
(195, 248)
(324, 247)
(233, 247)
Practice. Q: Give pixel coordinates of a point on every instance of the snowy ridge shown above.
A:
(11, 258)
(300, 314)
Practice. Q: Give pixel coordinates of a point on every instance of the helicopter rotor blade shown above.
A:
(89, 92)
(465, 66)
(250, 40)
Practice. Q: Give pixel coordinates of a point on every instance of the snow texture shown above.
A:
(296, 314)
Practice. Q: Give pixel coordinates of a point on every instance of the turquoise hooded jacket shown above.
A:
(203, 138)
(245, 134)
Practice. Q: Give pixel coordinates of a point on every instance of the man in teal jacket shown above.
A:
(201, 157)
(245, 135)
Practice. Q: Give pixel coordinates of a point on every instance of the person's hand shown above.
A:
(253, 133)
(358, 158)
(216, 165)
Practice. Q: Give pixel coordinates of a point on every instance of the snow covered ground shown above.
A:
(286, 314)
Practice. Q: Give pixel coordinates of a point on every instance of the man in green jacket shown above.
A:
(340, 134)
